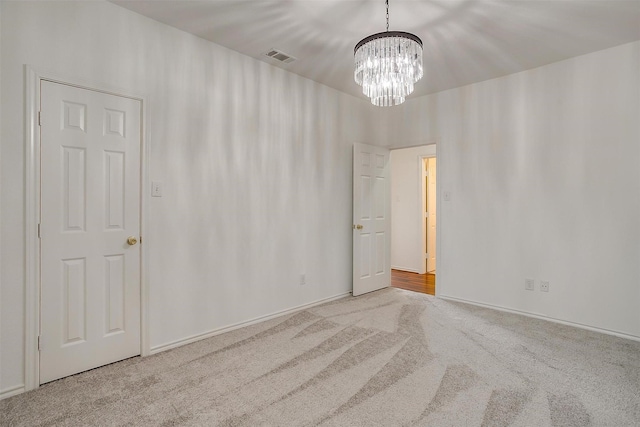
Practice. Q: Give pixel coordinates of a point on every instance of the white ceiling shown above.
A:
(465, 41)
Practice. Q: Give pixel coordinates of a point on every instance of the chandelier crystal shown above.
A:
(387, 65)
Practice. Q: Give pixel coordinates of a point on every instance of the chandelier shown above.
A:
(387, 65)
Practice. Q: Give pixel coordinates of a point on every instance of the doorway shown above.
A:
(414, 218)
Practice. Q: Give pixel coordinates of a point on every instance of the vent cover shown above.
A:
(280, 56)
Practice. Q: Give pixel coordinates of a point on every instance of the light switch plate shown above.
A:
(156, 189)
(529, 284)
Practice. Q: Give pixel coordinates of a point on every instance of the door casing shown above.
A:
(33, 77)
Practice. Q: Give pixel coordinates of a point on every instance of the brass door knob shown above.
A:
(357, 227)
(132, 240)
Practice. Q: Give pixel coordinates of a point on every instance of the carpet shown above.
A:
(388, 358)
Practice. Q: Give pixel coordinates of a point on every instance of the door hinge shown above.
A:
(39, 348)
(39, 118)
(140, 239)
(38, 231)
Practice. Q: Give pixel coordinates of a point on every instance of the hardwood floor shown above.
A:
(425, 283)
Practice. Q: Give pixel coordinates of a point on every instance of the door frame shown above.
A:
(33, 76)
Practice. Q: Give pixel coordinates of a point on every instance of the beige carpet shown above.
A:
(390, 358)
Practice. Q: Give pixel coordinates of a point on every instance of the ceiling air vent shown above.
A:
(280, 56)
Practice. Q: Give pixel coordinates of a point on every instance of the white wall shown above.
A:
(255, 161)
(544, 172)
(407, 234)
(543, 167)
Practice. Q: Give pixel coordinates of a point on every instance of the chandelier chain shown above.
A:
(387, 2)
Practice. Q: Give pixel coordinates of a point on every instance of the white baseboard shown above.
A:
(205, 335)
(11, 391)
(542, 317)
(410, 270)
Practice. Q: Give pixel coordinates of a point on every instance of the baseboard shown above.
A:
(410, 270)
(209, 334)
(11, 391)
(542, 317)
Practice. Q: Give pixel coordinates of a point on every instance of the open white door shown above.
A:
(371, 219)
(90, 226)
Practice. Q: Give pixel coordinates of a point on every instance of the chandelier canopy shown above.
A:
(387, 65)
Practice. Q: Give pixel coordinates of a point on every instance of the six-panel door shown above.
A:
(371, 219)
(90, 205)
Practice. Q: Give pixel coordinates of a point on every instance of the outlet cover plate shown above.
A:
(544, 286)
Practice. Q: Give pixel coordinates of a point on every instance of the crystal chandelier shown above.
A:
(387, 65)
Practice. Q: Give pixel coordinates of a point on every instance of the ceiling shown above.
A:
(464, 41)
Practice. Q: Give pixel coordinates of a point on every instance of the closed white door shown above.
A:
(431, 217)
(371, 219)
(90, 207)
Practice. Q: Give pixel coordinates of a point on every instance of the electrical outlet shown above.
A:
(303, 279)
(529, 284)
(544, 286)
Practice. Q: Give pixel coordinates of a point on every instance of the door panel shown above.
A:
(371, 219)
(115, 293)
(115, 195)
(90, 190)
(74, 286)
